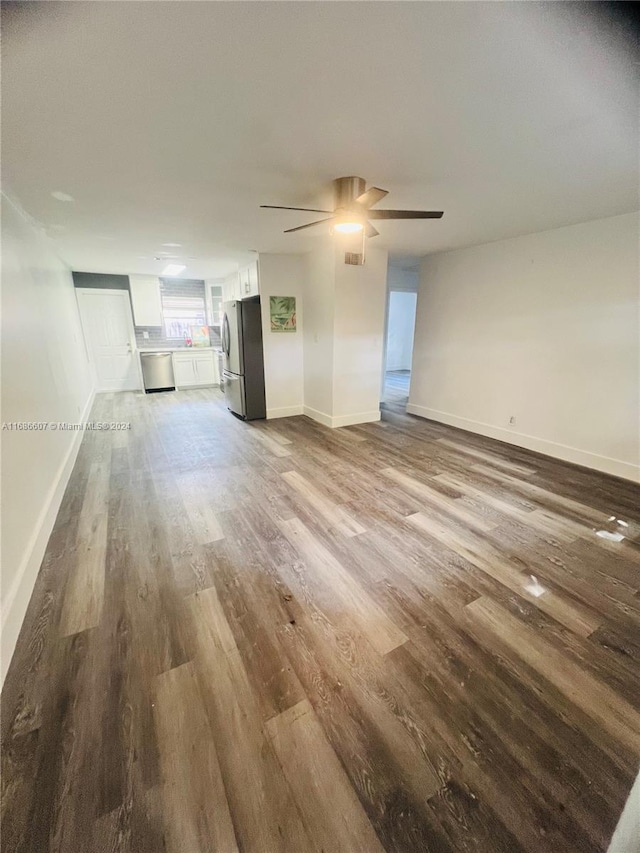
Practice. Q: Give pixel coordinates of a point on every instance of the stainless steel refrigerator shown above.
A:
(243, 373)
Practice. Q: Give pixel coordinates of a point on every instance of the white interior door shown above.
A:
(108, 331)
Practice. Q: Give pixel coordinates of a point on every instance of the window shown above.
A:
(182, 312)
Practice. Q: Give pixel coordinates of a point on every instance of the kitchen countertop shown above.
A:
(179, 349)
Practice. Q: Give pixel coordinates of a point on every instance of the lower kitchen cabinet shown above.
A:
(193, 369)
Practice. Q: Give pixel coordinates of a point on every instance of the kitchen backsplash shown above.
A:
(157, 339)
(173, 287)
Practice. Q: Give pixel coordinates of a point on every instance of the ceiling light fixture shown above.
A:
(173, 269)
(348, 227)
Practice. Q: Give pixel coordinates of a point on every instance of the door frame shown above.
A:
(110, 291)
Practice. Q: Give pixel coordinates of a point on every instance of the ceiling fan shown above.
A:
(352, 211)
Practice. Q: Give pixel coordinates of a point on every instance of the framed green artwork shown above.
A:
(282, 310)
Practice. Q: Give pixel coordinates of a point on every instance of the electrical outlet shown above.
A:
(512, 419)
(145, 335)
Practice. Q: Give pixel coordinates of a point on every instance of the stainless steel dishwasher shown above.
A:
(157, 371)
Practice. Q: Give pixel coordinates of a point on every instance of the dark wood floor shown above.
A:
(279, 637)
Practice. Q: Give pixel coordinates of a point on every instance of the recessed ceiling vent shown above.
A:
(354, 258)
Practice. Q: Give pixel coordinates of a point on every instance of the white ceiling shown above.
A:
(172, 122)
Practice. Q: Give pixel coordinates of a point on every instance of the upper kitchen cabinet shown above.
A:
(146, 301)
(249, 281)
(242, 284)
(214, 293)
(231, 287)
(254, 279)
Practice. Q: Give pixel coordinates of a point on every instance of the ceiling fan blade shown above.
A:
(405, 214)
(372, 196)
(309, 224)
(310, 209)
(371, 231)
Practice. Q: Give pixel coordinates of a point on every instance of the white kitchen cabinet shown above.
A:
(206, 369)
(146, 300)
(249, 281)
(214, 297)
(254, 279)
(244, 282)
(194, 369)
(231, 287)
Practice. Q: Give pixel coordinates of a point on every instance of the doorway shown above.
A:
(400, 328)
(403, 278)
(110, 338)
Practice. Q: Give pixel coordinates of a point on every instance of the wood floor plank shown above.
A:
(335, 515)
(275, 446)
(85, 590)
(195, 803)
(487, 558)
(199, 508)
(262, 806)
(546, 522)
(330, 809)
(255, 604)
(438, 500)
(378, 741)
(269, 428)
(491, 458)
(545, 496)
(344, 591)
(595, 699)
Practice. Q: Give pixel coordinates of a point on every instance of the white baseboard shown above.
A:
(285, 412)
(15, 603)
(541, 445)
(315, 415)
(341, 420)
(358, 418)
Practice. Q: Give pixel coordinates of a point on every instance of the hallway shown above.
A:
(396, 387)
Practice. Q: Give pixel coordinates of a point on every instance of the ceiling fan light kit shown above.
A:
(348, 227)
(352, 212)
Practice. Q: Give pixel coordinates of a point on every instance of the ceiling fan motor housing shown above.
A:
(347, 190)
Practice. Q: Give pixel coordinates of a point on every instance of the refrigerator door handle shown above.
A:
(226, 337)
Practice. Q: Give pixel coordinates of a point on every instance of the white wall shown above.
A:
(45, 377)
(319, 299)
(400, 329)
(344, 310)
(360, 303)
(544, 328)
(283, 275)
